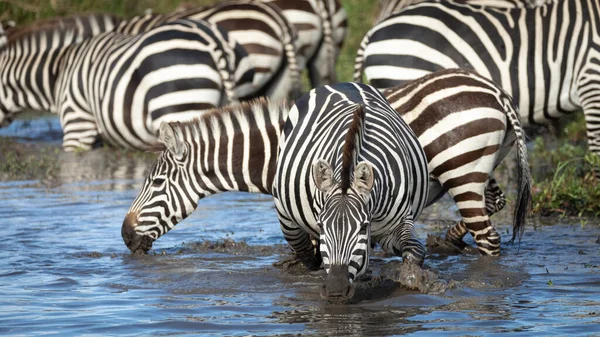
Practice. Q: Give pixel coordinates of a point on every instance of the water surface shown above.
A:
(64, 269)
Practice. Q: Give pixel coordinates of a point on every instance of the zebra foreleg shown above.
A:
(403, 241)
(303, 247)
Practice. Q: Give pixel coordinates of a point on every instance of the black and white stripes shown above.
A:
(545, 57)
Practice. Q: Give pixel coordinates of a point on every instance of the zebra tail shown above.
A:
(290, 55)
(524, 176)
(327, 20)
(359, 61)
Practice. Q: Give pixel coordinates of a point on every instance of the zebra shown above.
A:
(544, 57)
(467, 125)
(233, 148)
(164, 199)
(369, 181)
(117, 87)
(260, 28)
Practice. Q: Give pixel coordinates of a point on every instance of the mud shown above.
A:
(65, 270)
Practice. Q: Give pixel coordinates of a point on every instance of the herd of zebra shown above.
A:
(216, 91)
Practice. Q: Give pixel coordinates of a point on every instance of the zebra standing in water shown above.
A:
(370, 180)
(115, 86)
(466, 125)
(250, 133)
(546, 57)
(258, 27)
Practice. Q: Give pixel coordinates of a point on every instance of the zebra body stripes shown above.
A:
(260, 28)
(29, 58)
(255, 129)
(388, 193)
(466, 125)
(546, 57)
(121, 87)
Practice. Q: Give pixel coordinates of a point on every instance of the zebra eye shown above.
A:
(157, 182)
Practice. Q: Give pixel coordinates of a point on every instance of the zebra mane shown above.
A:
(350, 147)
(243, 108)
(82, 22)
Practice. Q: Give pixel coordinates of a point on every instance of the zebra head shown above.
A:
(344, 221)
(167, 196)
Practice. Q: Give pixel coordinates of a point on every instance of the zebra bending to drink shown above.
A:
(251, 134)
(369, 181)
(258, 27)
(113, 86)
(544, 57)
(233, 148)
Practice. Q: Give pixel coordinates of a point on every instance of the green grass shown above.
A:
(565, 174)
(27, 162)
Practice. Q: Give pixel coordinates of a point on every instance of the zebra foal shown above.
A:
(113, 86)
(545, 57)
(369, 182)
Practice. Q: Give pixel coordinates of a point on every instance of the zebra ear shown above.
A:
(170, 138)
(363, 177)
(322, 175)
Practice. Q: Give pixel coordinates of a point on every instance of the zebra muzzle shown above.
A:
(137, 244)
(337, 287)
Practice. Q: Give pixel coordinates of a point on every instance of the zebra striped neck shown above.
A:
(30, 60)
(235, 148)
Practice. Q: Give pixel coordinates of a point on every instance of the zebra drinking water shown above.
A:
(545, 57)
(229, 149)
(482, 136)
(117, 87)
(369, 181)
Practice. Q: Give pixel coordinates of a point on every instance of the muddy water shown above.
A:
(64, 269)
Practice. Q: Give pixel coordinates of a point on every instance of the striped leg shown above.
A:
(494, 198)
(403, 241)
(79, 130)
(472, 207)
(301, 244)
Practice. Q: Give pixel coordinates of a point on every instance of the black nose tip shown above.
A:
(135, 242)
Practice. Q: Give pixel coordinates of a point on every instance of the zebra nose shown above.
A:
(137, 244)
(337, 287)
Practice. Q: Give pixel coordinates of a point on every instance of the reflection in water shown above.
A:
(65, 270)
